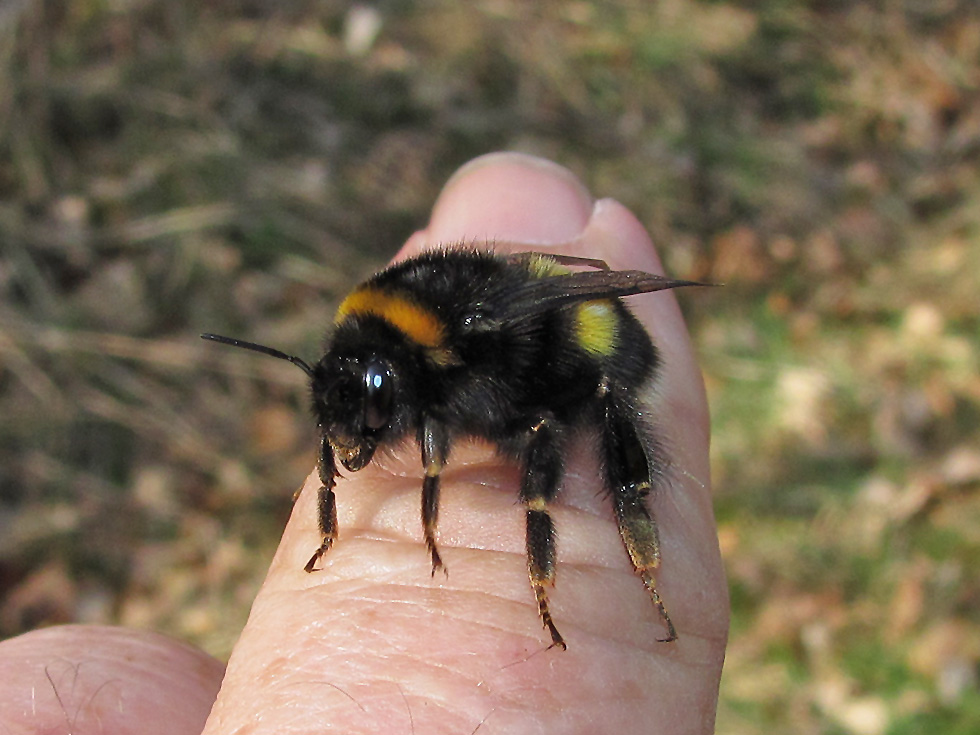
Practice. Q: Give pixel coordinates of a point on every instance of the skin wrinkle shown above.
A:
(370, 697)
(447, 616)
(442, 702)
(604, 546)
(360, 703)
(610, 559)
(515, 697)
(628, 651)
(470, 596)
(367, 517)
(586, 710)
(602, 549)
(350, 588)
(503, 479)
(625, 646)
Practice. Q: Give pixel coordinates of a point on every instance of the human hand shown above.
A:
(371, 643)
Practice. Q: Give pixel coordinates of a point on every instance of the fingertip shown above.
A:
(510, 197)
(623, 241)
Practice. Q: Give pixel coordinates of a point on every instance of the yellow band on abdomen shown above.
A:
(596, 326)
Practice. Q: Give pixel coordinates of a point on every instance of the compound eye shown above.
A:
(377, 395)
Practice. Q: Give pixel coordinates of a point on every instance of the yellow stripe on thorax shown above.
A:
(596, 326)
(542, 266)
(414, 321)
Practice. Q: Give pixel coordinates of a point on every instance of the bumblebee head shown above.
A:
(365, 388)
(354, 401)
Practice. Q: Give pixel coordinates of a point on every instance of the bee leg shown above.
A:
(326, 503)
(627, 470)
(434, 440)
(542, 475)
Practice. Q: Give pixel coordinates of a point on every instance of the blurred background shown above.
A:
(169, 167)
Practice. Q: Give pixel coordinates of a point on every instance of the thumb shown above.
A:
(372, 643)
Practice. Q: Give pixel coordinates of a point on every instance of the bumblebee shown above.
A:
(520, 350)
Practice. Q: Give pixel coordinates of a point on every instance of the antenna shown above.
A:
(260, 348)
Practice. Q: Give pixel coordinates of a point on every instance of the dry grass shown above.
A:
(168, 167)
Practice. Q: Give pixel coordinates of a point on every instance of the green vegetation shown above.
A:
(169, 166)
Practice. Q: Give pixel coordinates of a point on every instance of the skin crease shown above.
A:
(372, 643)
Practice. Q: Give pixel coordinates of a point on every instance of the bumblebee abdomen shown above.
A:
(615, 339)
(589, 346)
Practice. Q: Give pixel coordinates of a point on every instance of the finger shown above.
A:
(372, 643)
(91, 679)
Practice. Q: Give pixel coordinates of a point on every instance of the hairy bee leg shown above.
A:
(326, 503)
(627, 470)
(542, 475)
(434, 440)
(558, 258)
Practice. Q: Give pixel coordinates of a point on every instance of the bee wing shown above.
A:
(526, 257)
(546, 294)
